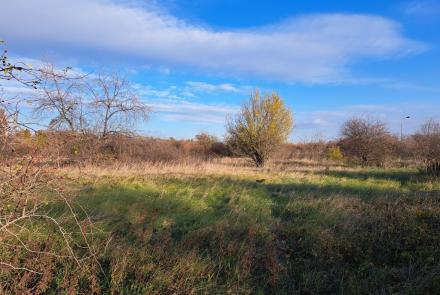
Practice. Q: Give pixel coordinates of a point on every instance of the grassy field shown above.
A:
(227, 228)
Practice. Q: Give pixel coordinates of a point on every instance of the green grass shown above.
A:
(324, 232)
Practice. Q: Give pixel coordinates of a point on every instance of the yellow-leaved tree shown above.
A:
(263, 124)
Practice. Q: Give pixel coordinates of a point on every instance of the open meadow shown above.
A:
(225, 227)
(241, 147)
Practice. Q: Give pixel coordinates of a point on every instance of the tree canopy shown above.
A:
(263, 123)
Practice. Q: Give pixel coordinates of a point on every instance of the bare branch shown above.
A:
(117, 105)
(19, 268)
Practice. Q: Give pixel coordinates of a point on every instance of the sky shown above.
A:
(196, 61)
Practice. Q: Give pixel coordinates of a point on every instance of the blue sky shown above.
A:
(196, 61)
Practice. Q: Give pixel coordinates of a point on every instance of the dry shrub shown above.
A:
(4, 128)
(63, 148)
(314, 150)
(135, 149)
(43, 241)
(405, 152)
(367, 143)
(44, 245)
(428, 146)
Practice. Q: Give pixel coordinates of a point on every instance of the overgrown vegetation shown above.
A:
(213, 229)
(34, 239)
(88, 207)
(428, 143)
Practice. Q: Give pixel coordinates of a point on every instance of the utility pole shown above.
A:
(401, 138)
(401, 126)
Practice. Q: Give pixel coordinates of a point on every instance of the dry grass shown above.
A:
(225, 227)
(215, 167)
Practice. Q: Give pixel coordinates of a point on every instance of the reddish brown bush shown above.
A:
(315, 150)
(63, 148)
(367, 143)
(428, 146)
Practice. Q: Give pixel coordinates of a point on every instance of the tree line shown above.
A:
(265, 123)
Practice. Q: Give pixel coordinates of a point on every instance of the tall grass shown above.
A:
(212, 228)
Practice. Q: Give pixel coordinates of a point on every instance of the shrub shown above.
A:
(334, 153)
(428, 146)
(367, 142)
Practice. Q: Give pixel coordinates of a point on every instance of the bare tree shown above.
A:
(370, 142)
(263, 124)
(116, 104)
(60, 94)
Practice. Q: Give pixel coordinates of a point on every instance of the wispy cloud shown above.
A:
(175, 103)
(224, 87)
(310, 48)
(391, 83)
(422, 8)
(183, 110)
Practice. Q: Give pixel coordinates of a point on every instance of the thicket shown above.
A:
(427, 143)
(58, 148)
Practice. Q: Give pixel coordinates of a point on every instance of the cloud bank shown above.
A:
(316, 48)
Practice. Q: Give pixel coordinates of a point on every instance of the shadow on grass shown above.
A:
(183, 205)
(305, 163)
(137, 212)
(311, 190)
(395, 175)
(186, 223)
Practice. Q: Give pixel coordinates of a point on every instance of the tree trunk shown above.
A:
(259, 160)
(433, 168)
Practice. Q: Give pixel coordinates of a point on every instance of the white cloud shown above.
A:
(308, 48)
